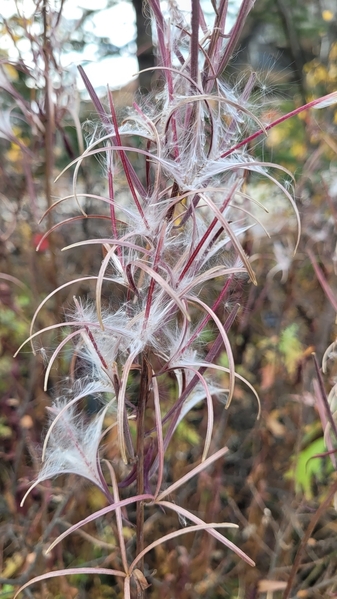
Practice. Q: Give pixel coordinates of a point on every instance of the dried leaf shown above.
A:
(268, 376)
(140, 579)
(274, 425)
(266, 586)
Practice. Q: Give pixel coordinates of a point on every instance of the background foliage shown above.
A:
(271, 482)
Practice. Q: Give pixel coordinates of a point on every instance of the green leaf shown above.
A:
(7, 591)
(290, 348)
(308, 468)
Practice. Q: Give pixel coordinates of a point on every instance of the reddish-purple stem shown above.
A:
(130, 279)
(206, 319)
(210, 357)
(283, 118)
(206, 235)
(324, 396)
(148, 146)
(152, 282)
(106, 121)
(202, 21)
(164, 52)
(216, 42)
(124, 161)
(112, 208)
(93, 341)
(195, 40)
(166, 58)
(309, 530)
(322, 280)
(245, 8)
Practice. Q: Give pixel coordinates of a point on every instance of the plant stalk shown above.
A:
(315, 518)
(143, 397)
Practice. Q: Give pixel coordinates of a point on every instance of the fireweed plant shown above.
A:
(179, 229)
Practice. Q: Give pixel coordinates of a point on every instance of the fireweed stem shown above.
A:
(207, 234)
(125, 162)
(207, 318)
(327, 408)
(152, 283)
(195, 40)
(210, 357)
(282, 118)
(141, 407)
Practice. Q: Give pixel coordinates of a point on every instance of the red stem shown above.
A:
(152, 282)
(289, 115)
(206, 234)
(204, 322)
(112, 207)
(124, 160)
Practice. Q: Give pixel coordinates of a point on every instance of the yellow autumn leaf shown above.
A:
(327, 15)
(14, 154)
(128, 533)
(275, 137)
(12, 565)
(96, 499)
(10, 71)
(320, 74)
(299, 150)
(332, 73)
(333, 52)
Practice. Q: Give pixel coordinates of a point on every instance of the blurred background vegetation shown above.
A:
(271, 483)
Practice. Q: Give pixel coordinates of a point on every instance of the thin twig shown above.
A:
(322, 508)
